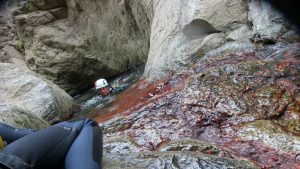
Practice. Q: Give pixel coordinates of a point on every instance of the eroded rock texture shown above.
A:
(74, 42)
(234, 105)
(94, 39)
(181, 29)
(28, 101)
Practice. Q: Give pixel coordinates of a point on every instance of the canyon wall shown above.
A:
(73, 42)
(183, 29)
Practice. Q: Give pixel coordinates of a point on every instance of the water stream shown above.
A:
(90, 100)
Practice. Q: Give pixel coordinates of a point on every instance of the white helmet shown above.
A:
(101, 83)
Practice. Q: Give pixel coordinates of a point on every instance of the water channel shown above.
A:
(90, 102)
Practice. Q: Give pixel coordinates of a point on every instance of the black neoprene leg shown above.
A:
(45, 149)
(86, 151)
(10, 133)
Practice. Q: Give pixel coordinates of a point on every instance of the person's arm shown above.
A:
(111, 89)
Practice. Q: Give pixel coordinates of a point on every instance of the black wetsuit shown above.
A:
(74, 145)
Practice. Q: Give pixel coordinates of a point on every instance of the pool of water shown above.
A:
(90, 100)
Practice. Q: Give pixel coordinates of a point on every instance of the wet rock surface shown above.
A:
(239, 105)
(124, 153)
(233, 104)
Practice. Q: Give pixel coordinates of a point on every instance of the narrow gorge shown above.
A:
(209, 83)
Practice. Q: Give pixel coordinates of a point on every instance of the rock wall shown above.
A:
(27, 100)
(240, 105)
(74, 42)
(182, 28)
(10, 47)
(98, 39)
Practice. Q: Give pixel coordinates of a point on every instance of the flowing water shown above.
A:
(90, 100)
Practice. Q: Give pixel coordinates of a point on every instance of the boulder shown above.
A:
(24, 92)
(16, 116)
(243, 33)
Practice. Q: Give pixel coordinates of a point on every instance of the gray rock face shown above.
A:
(268, 24)
(9, 52)
(181, 28)
(99, 39)
(226, 105)
(271, 134)
(24, 94)
(114, 36)
(123, 153)
(47, 4)
(16, 116)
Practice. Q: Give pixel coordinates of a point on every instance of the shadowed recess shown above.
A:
(198, 28)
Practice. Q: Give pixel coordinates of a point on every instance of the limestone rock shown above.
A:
(16, 116)
(59, 13)
(99, 39)
(178, 27)
(123, 153)
(116, 34)
(14, 55)
(270, 134)
(24, 92)
(47, 4)
(268, 24)
(175, 22)
(36, 18)
(244, 104)
(242, 34)
(9, 48)
(62, 56)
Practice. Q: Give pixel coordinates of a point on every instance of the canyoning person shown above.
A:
(74, 145)
(104, 88)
